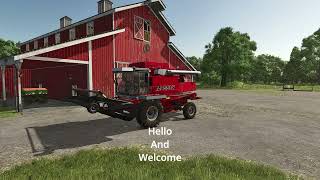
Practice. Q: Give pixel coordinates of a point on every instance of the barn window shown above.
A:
(142, 29)
(72, 34)
(57, 37)
(90, 28)
(46, 42)
(122, 64)
(35, 44)
(27, 47)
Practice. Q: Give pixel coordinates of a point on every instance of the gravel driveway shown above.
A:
(281, 129)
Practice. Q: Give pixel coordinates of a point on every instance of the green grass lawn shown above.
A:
(124, 164)
(7, 112)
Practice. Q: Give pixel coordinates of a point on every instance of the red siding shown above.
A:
(77, 52)
(51, 40)
(103, 24)
(41, 43)
(58, 78)
(25, 81)
(81, 31)
(64, 36)
(23, 48)
(176, 62)
(102, 65)
(130, 49)
(31, 45)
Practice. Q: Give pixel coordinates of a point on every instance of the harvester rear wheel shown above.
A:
(149, 114)
(189, 110)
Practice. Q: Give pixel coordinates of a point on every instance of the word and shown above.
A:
(160, 145)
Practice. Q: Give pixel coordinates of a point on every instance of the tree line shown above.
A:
(230, 57)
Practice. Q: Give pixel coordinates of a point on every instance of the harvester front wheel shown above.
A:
(149, 115)
(189, 110)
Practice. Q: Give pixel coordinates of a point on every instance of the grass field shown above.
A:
(124, 164)
(7, 112)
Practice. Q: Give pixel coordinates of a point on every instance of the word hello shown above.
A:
(163, 131)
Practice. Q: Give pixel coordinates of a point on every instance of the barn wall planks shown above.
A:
(59, 80)
(77, 52)
(176, 62)
(102, 65)
(25, 80)
(130, 49)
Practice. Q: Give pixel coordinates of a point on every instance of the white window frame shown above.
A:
(136, 18)
(72, 34)
(27, 47)
(90, 28)
(35, 44)
(45, 42)
(144, 30)
(126, 64)
(57, 38)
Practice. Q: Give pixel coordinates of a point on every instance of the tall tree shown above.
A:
(294, 71)
(304, 65)
(310, 53)
(8, 48)
(229, 55)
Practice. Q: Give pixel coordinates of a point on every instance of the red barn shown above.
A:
(83, 54)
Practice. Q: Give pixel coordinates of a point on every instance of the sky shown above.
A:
(276, 25)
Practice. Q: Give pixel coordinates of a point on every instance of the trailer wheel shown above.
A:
(93, 108)
(189, 110)
(149, 115)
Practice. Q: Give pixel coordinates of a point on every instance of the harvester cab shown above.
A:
(145, 91)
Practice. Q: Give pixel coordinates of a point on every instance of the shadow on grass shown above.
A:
(46, 139)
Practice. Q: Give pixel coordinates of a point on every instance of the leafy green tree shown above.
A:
(8, 48)
(304, 64)
(229, 56)
(310, 56)
(267, 69)
(294, 71)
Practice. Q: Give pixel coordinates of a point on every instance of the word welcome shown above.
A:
(159, 158)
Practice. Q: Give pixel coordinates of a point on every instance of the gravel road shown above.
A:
(280, 129)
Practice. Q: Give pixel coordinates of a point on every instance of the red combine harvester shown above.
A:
(145, 91)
